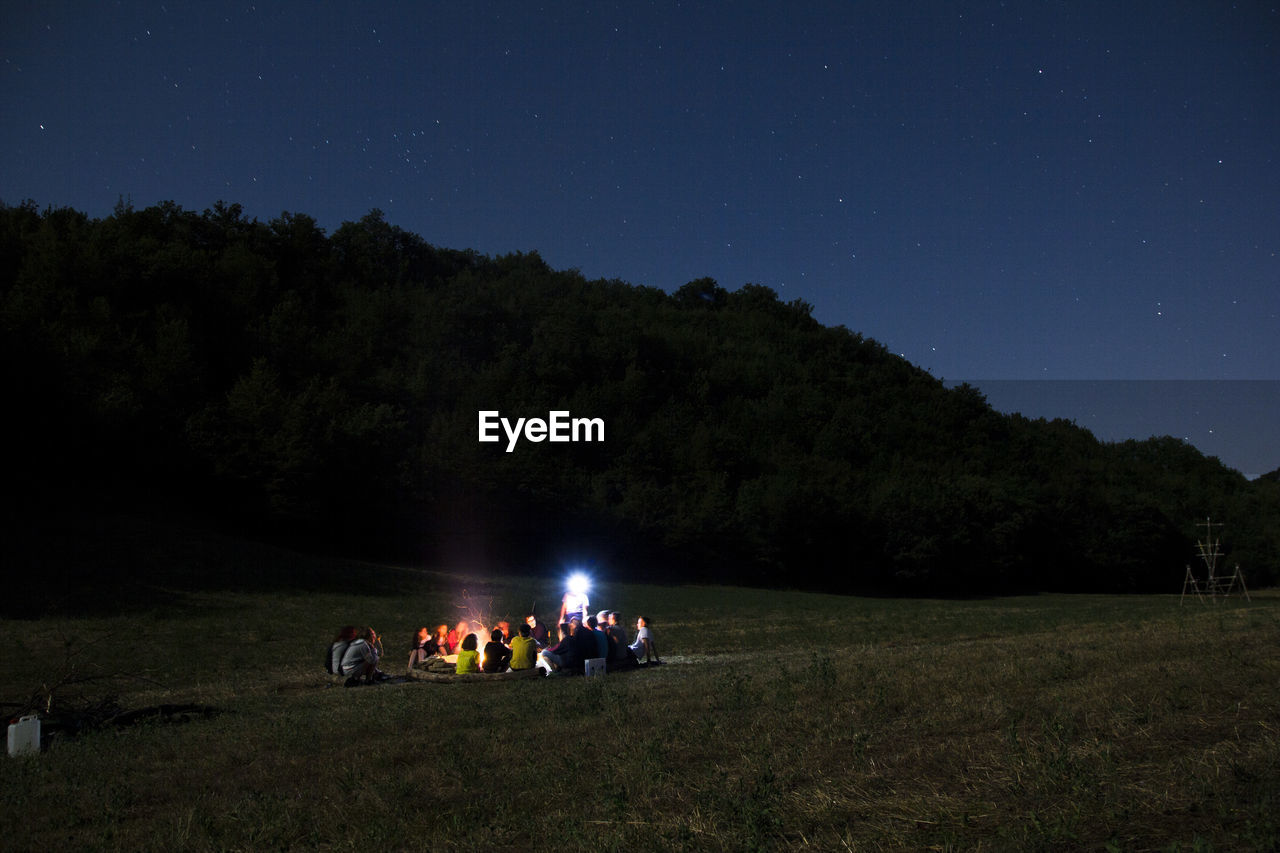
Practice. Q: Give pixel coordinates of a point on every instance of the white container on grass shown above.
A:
(24, 736)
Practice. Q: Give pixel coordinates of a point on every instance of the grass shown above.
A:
(783, 721)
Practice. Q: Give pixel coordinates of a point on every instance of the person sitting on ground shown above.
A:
(468, 657)
(457, 635)
(538, 631)
(644, 642)
(524, 651)
(505, 627)
(585, 640)
(602, 625)
(564, 655)
(496, 654)
(618, 651)
(602, 639)
(361, 658)
(441, 639)
(338, 648)
(610, 643)
(422, 647)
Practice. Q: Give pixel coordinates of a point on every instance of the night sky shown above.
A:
(1012, 191)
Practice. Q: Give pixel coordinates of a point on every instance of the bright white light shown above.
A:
(579, 583)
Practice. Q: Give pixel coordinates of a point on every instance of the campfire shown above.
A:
(476, 618)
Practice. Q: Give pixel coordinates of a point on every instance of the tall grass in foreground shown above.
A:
(782, 721)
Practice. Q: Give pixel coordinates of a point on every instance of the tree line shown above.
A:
(328, 385)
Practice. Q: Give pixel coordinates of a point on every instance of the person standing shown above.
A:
(575, 601)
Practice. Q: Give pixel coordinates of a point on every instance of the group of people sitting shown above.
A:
(502, 651)
(356, 653)
(602, 636)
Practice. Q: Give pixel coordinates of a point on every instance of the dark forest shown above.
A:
(324, 389)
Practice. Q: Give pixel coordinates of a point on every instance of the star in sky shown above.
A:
(992, 190)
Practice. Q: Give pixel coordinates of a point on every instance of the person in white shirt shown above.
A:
(644, 644)
(575, 601)
(361, 657)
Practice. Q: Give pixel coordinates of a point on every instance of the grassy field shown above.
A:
(782, 721)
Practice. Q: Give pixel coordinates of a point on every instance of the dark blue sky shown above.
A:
(1234, 420)
(1047, 190)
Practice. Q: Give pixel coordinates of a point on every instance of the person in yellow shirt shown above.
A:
(469, 657)
(524, 651)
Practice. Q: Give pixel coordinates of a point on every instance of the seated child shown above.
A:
(585, 640)
(564, 654)
(468, 657)
(644, 642)
(496, 655)
(338, 649)
(618, 651)
(538, 631)
(457, 635)
(524, 651)
(361, 658)
(422, 647)
(602, 639)
(442, 640)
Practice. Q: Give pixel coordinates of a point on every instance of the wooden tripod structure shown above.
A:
(1215, 586)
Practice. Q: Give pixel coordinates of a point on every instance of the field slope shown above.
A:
(781, 721)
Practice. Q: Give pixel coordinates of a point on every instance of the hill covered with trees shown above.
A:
(328, 386)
